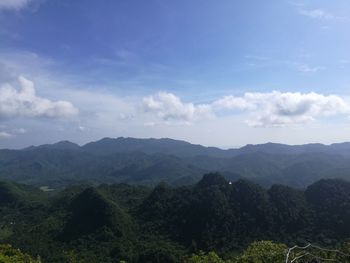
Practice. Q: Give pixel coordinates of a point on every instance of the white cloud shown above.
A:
(81, 128)
(234, 103)
(5, 135)
(308, 69)
(25, 103)
(271, 109)
(169, 107)
(14, 4)
(319, 14)
(19, 131)
(282, 109)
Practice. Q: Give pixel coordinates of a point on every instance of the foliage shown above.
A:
(111, 223)
(264, 252)
(8, 254)
(201, 257)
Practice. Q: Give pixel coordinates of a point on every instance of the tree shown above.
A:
(264, 252)
(8, 254)
(211, 257)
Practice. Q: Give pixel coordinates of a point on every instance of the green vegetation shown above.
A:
(9, 254)
(211, 257)
(257, 252)
(270, 252)
(151, 161)
(264, 252)
(112, 223)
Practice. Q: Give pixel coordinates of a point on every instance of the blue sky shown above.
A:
(221, 73)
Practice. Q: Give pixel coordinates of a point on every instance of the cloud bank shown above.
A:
(25, 103)
(271, 109)
(281, 109)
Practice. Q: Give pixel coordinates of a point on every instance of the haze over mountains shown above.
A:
(150, 161)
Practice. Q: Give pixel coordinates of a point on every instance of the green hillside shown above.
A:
(110, 223)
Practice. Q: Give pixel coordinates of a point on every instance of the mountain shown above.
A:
(150, 161)
(120, 222)
(276, 148)
(185, 149)
(90, 212)
(63, 145)
(166, 146)
(12, 193)
(329, 199)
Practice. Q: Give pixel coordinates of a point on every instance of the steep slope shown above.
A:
(330, 200)
(91, 212)
(14, 194)
(291, 211)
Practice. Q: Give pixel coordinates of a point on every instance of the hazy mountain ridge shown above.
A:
(181, 148)
(149, 161)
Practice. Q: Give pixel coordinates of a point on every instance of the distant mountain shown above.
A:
(62, 145)
(150, 161)
(153, 146)
(276, 148)
(180, 148)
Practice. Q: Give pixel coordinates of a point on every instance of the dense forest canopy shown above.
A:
(110, 223)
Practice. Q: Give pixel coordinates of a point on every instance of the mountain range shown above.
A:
(150, 161)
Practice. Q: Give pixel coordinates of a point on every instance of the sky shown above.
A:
(217, 73)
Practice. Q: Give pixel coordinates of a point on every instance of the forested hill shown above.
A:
(180, 148)
(150, 161)
(117, 222)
